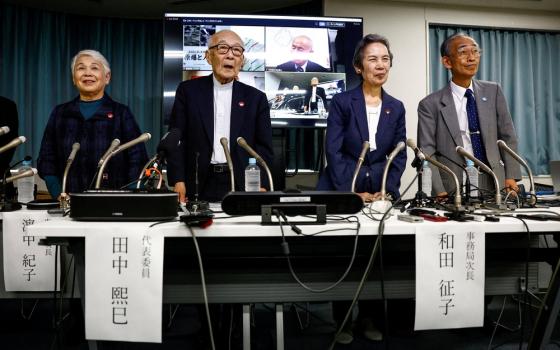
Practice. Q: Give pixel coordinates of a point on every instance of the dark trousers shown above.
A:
(217, 184)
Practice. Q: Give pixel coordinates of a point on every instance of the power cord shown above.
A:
(286, 250)
(369, 266)
(203, 283)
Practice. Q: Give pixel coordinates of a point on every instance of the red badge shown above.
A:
(241, 104)
(110, 115)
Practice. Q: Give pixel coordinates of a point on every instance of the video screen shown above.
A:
(300, 63)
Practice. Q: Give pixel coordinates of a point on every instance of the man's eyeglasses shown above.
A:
(465, 52)
(223, 49)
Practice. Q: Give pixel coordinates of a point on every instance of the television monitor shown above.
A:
(282, 55)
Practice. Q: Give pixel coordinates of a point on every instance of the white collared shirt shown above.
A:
(460, 101)
(314, 94)
(373, 114)
(222, 118)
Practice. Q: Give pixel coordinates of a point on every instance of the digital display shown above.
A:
(300, 63)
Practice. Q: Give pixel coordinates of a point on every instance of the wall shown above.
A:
(406, 25)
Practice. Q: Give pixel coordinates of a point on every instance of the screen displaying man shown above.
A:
(313, 95)
(302, 48)
(209, 108)
(9, 118)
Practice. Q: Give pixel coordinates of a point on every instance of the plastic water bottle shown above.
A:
(472, 173)
(252, 176)
(426, 179)
(26, 185)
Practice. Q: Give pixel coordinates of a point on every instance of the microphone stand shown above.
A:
(197, 205)
(420, 199)
(467, 192)
(498, 197)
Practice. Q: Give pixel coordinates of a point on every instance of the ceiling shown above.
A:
(156, 8)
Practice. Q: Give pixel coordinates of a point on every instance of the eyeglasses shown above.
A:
(223, 49)
(465, 52)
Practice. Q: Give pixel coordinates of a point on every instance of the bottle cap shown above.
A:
(425, 164)
(26, 163)
(252, 161)
(470, 163)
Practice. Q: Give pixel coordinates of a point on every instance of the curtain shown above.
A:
(525, 64)
(36, 48)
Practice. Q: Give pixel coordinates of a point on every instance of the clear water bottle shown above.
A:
(26, 185)
(252, 176)
(472, 173)
(426, 179)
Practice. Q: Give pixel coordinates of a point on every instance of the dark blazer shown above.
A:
(438, 131)
(193, 114)
(9, 118)
(320, 93)
(311, 67)
(67, 125)
(347, 129)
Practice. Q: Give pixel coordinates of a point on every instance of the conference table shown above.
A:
(244, 262)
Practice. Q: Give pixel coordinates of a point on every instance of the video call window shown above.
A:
(299, 62)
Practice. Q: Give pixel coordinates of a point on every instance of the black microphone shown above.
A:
(196, 205)
(169, 143)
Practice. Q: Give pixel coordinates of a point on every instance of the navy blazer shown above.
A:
(290, 66)
(193, 114)
(347, 129)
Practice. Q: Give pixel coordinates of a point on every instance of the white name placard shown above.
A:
(28, 267)
(449, 278)
(123, 282)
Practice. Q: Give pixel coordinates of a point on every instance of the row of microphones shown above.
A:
(114, 149)
(461, 151)
(421, 155)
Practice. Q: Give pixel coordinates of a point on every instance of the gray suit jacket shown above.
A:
(438, 131)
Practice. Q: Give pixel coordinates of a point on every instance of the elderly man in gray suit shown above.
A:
(469, 113)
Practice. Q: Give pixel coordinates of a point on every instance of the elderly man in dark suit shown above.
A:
(302, 47)
(469, 113)
(209, 108)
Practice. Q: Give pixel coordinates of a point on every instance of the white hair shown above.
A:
(96, 55)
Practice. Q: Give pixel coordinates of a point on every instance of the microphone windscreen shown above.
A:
(170, 141)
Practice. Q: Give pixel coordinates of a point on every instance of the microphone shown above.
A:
(4, 130)
(112, 147)
(484, 167)
(169, 142)
(12, 144)
(63, 196)
(365, 147)
(505, 147)
(400, 146)
(417, 151)
(142, 138)
(224, 142)
(423, 156)
(241, 142)
(467, 180)
(27, 173)
(167, 145)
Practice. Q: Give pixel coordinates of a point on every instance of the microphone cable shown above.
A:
(369, 266)
(203, 283)
(286, 250)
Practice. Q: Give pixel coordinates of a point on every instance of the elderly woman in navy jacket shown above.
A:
(366, 113)
(94, 120)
